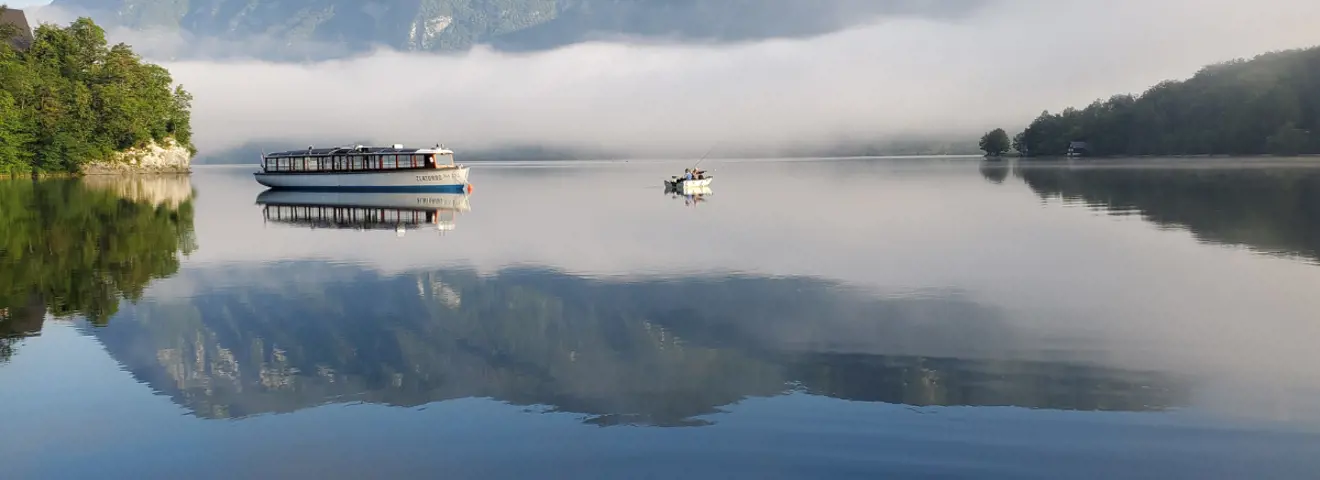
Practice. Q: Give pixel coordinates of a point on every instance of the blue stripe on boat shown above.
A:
(456, 188)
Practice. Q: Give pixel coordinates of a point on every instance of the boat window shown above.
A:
(314, 164)
(388, 162)
(357, 162)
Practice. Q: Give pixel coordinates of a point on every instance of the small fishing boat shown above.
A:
(364, 169)
(699, 179)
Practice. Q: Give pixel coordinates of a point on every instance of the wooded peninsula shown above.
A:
(1267, 105)
(68, 99)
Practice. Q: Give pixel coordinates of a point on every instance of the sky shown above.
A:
(899, 77)
(25, 3)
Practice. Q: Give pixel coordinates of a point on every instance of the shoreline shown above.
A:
(63, 175)
(1184, 156)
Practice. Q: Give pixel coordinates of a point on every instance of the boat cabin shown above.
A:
(357, 159)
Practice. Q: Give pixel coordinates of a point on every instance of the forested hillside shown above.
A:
(1267, 105)
(71, 99)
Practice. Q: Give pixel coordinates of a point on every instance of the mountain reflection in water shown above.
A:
(644, 352)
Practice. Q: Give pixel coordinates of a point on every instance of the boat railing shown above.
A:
(355, 162)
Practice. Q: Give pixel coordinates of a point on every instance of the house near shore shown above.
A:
(16, 18)
(1078, 149)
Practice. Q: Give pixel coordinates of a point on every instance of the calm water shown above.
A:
(805, 319)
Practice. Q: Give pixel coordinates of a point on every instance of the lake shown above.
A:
(847, 318)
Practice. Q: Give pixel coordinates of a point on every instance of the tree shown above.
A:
(1289, 140)
(1020, 144)
(995, 142)
(71, 99)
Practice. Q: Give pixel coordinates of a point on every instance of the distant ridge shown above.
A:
(286, 28)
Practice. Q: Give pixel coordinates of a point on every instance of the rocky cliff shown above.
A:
(154, 158)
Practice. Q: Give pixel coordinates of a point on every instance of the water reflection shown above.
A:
(691, 195)
(363, 211)
(651, 352)
(78, 247)
(1270, 208)
(994, 171)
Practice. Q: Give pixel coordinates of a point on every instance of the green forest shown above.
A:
(71, 99)
(1267, 105)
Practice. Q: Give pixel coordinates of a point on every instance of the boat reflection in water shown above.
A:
(363, 211)
(691, 195)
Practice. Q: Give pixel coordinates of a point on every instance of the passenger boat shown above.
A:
(363, 168)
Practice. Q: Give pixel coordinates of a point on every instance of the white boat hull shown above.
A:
(693, 190)
(411, 180)
(689, 184)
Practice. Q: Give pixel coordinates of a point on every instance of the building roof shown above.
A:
(18, 19)
(358, 149)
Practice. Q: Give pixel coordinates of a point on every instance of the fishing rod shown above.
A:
(703, 157)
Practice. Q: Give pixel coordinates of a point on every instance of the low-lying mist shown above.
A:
(895, 78)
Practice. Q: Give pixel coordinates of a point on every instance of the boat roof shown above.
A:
(356, 149)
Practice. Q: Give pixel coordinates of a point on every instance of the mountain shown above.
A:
(448, 25)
